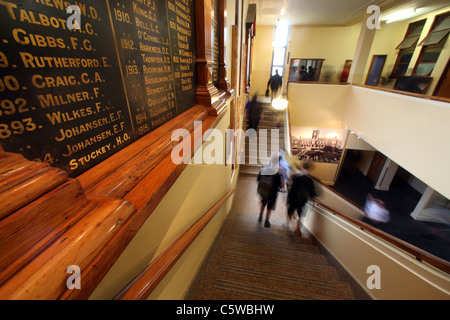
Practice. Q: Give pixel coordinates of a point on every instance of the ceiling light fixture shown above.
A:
(279, 103)
(401, 15)
(283, 8)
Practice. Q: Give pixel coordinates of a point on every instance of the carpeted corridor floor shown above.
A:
(249, 262)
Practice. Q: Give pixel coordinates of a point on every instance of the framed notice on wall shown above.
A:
(75, 96)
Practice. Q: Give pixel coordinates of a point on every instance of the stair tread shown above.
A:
(252, 262)
(239, 285)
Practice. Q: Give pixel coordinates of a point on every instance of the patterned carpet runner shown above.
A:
(250, 262)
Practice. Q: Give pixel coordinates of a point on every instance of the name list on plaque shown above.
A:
(74, 97)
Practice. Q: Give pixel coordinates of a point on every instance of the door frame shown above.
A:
(371, 65)
(376, 166)
(441, 79)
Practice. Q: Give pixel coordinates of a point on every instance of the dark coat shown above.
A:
(271, 188)
(275, 82)
(302, 188)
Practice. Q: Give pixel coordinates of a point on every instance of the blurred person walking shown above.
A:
(254, 112)
(268, 187)
(375, 210)
(301, 190)
(275, 83)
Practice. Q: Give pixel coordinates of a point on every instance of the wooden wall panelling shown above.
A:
(234, 56)
(88, 221)
(149, 184)
(224, 83)
(41, 221)
(118, 174)
(207, 93)
(234, 65)
(43, 232)
(243, 71)
(145, 196)
(241, 35)
(250, 29)
(22, 181)
(45, 276)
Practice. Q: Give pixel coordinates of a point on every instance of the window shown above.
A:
(407, 47)
(278, 56)
(305, 69)
(412, 35)
(432, 46)
(438, 33)
(279, 49)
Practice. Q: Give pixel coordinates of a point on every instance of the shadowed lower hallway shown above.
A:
(400, 200)
(248, 261)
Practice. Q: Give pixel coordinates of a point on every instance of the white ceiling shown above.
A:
(333, 12)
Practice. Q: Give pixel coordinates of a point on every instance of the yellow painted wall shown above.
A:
(385, 41)
(262, 59)
(310, 107)
(334, 44)
(389, 36)
(176, 283)
(197, 189)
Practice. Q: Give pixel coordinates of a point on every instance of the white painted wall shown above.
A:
(413, 132)
(402, 277)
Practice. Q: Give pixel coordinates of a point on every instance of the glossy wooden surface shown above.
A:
(22, 181)
(86, 221)
(161, 136)
(141, 287)
(45, 276)
(224, 83)
(31, 229)
(146, 194)
(48, 222)
(207, 93)
(418, 95)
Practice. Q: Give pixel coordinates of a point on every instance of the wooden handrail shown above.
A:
(141, 287)
(77, 246)
(109, 203)
(417, 252)
(319, 82)
(144, 187)
(417, 95)
(420, 254)
(313, 82)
